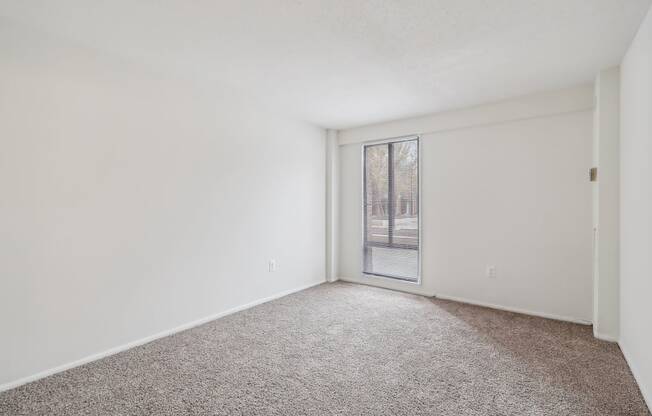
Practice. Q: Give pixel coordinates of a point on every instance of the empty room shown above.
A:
(325, 207)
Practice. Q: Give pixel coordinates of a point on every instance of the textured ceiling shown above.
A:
(344, 63)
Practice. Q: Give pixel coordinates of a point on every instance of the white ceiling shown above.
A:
(344, 63)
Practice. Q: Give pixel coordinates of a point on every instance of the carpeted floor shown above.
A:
(344, 349)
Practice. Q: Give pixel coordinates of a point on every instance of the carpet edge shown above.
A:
(141, 341)
(634, 371)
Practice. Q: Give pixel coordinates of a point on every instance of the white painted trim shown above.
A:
(515, 310)
(136, 343)
(388, 283)
(415, 291)
(604, 337)
(545, 104)
(635, 373)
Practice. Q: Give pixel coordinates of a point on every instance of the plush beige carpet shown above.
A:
(344, 349)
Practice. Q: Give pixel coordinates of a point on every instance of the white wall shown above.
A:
(606, 214)
(510, 190)
(636, 208)
(132, 203)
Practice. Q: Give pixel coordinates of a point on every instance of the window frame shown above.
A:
(393, 278)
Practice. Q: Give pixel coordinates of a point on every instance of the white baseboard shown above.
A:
(389, 284)
(417, 290)
(635, 372)
(13, 384)
(604, 337)
(516, 310)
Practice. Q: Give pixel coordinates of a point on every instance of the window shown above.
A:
(391, 209)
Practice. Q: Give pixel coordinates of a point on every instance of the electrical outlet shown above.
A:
(272, 265)
(491, 272)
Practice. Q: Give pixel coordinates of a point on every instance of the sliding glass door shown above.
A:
(391, 209)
